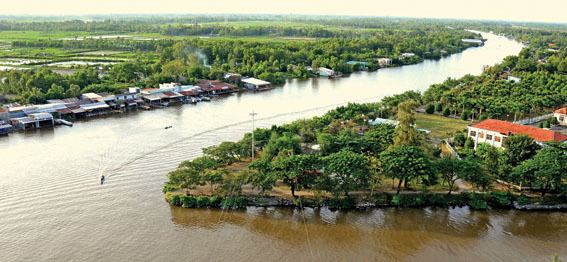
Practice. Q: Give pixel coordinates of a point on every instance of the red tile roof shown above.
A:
(505, 128)
(562, 110)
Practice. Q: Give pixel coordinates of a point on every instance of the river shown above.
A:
(53, 208)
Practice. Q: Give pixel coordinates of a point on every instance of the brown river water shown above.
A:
(52, 207)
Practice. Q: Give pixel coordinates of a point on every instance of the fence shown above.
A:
(531, 120)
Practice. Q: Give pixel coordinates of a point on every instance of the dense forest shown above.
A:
(251, 50)
(538, 81)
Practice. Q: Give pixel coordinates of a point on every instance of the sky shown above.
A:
(513, 10)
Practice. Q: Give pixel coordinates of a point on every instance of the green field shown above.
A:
(441, 127)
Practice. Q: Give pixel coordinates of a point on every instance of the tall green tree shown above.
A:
(406, 163)
(298, 171)
(346, 171)
(520, 148)
(405, 133)
(545, 171)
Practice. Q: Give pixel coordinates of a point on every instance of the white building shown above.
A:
(514, 79)
(256, 84)
(133, 93)
(407, 55)
(322, 71)
(175, 87)
(91, 96)
(561, 115)
(384, 62)
(494, 132)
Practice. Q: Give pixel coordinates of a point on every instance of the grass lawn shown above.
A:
(441, 127)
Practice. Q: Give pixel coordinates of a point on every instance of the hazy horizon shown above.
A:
(549, 11)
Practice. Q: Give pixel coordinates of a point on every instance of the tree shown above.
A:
(214, 177)
(279, 143)
(405, 163)
(477, 175)
(520, 148)
(185, 178)
(346, 171)
(494, 159)
(55, 92)
(264, 177)
(376, 173)
(452, 169)
(298, 171)
(439, 107)
(233, 182)
(430, 109)
(405, 133)
(174, 69)
(73, 91)
(225, 153)
(546, 170)
(465, 115)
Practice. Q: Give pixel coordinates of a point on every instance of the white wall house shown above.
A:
(322, 71)
(256, 84)
(561, 115)
(494, 132)
(383, 62)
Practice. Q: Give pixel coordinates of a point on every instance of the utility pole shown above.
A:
(253, 114)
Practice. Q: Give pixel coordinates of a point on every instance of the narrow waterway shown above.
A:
(53, 208)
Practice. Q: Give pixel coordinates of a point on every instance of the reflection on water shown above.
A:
(387, 234)
(52, 206)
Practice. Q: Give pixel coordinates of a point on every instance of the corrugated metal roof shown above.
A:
(255, 81)
(93, 106)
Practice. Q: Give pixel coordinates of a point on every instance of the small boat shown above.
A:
(63, 122)
(205, 98)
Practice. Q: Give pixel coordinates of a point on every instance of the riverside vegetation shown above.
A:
(155, 50)
(355, 164)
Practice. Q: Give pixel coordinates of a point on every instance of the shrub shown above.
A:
(174, 200)
(482, 117)
(341, 203)
(233, 202)
(540, 125)
(215, 201)
(396, 200)
(501, 199)
(381, 199)
(459, 139)
(188, 201)
(476, 201)
(439, 107)
(169, 187)
(430, 109)
(446, 111)
(465, 115)
(554, 200)
(546, 124)
(413, 200)
(524, 200)
(203, 201)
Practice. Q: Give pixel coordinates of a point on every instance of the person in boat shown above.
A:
(102, 179)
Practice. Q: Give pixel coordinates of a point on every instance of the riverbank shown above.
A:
(97, 105)
(476, 201)
(57, 191)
